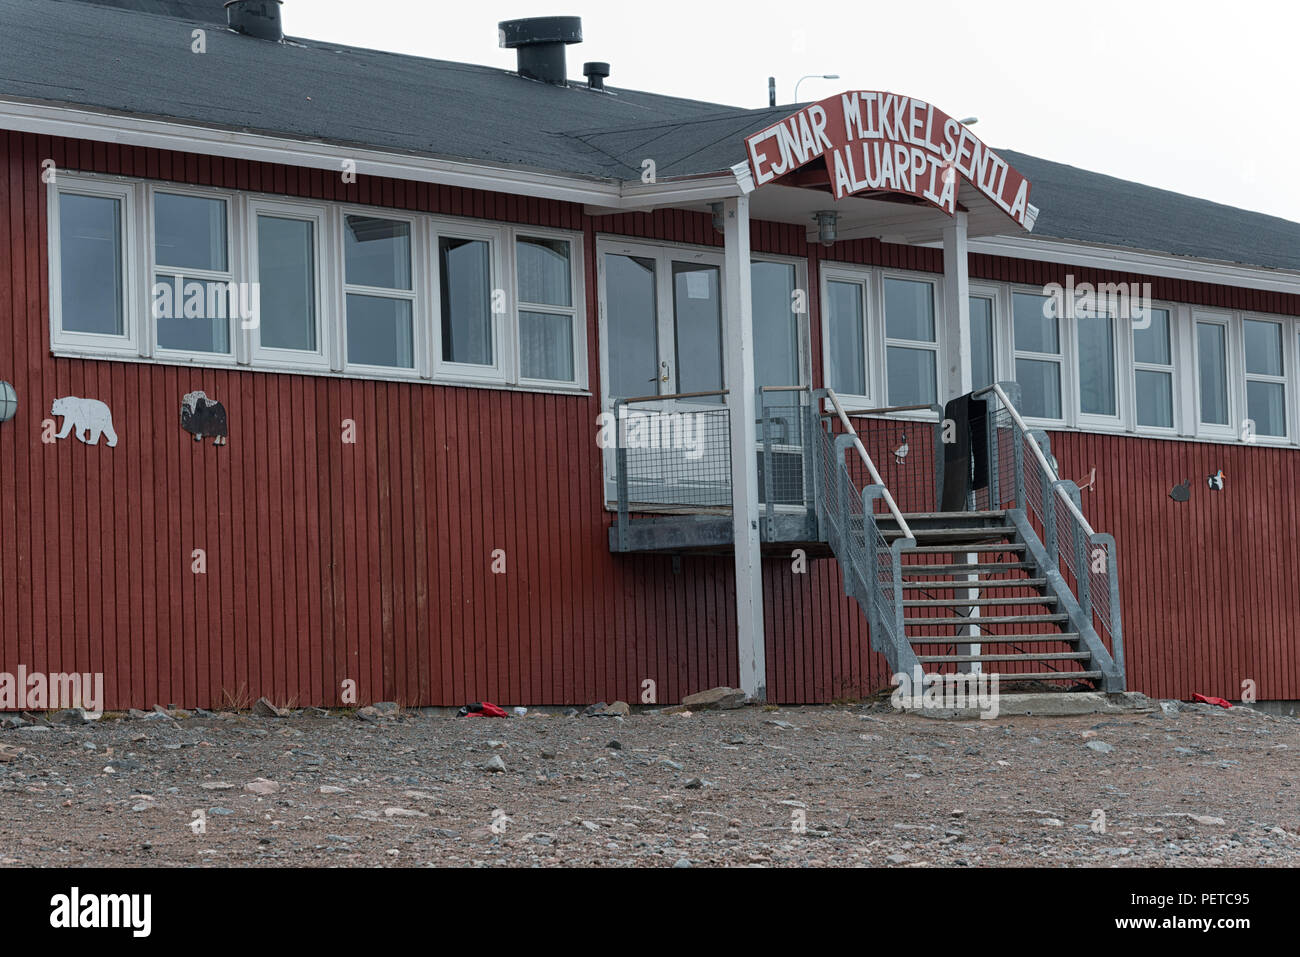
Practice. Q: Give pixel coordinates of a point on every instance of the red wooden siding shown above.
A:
(372, 561)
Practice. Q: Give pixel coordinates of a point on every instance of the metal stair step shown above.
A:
(977, 602)
(971, 532)
(964, 569)
(980, 583)
(1050, 675)
(996, 620)
(1066, 637)
(925, 516)
(952, 550)
(970, 659)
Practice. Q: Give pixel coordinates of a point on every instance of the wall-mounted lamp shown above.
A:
(8, 402)
(719, 223)
(826, 222)
(969, 121)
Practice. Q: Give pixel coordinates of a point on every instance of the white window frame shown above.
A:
(995, 294)
(873, 356)
(803, 319)
(1120, 362)
(1136, 366)
(1211, 429)
(503, 352)
(1064, 358)
(576, 311)
(327, 305)
(69, 342)
(234, 271)
(935, 346)
(422, 366)
(1247, 377)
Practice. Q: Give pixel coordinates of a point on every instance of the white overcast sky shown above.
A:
(1192, 96)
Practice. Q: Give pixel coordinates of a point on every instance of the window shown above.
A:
(379, 297)
(633, 320)
(1265, 377)
(847, 319)
(287, 271)
(911, 349)
(1153, 371)
(1212, 372)
(697, 327)
(465, 284)
(194, 294)
(776, 324)
(90, 242)
(1096, 363)
(218, 277)
(1037, 329)
(982, 342)
(547, 317)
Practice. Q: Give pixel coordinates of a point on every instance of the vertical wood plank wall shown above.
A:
(371, 562)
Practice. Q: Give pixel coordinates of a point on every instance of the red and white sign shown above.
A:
(874, 142)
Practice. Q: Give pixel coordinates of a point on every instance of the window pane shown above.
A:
(1096, 365)
(465, 267)
(286, 269)
(633, 322)
(1263, 347)
(911, 376)
(1040, 388)
(380, 332)
(189, 232)
(1036, 323)
(90, 264)
(1152, 343)
(909, 310)
(848, 372)
(1155, 399)
(697, 319)
(1266, 406)
(1211, 355)
(377, 252)
(546, 346)
(544, 275)
(194, 315)
(776, 326)
(981, 342)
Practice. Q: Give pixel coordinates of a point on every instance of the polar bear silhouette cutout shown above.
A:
(88, 418)
(203, 416)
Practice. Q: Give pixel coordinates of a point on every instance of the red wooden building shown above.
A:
(408, 291)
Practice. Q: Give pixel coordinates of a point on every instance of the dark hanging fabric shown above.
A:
(969, 441)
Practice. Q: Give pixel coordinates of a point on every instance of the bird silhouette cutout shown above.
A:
(1215, 481)
(900, 453)
(1181, 492)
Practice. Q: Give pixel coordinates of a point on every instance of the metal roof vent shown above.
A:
(541, 42)
(256, 18)
(595, 72)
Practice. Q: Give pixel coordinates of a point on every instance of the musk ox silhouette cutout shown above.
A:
(203, 416)
(88, 418)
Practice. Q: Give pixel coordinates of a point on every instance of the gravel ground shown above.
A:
(857, 785)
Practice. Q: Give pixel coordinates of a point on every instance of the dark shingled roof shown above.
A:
(133, 56)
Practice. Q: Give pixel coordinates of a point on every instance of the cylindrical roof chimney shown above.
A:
(257, 18)
(540, 42)
(595, 72)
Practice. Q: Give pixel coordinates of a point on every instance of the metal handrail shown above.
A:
(871, 466)
(1038, 454)
(891, 408)
(675, 395)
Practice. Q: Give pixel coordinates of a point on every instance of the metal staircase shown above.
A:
(1018, 585)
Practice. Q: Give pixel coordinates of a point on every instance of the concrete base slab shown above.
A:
(1047, 704)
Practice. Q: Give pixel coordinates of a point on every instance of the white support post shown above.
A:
(957, 378)
(741, 399)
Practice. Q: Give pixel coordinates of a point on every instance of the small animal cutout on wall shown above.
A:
(1181, 492)
(88, 418)
(1215, 481)
(204, 417)
(900, 453)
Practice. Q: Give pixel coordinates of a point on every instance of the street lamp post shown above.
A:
(813, 76)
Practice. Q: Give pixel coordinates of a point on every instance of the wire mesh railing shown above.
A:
(1020, 474)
